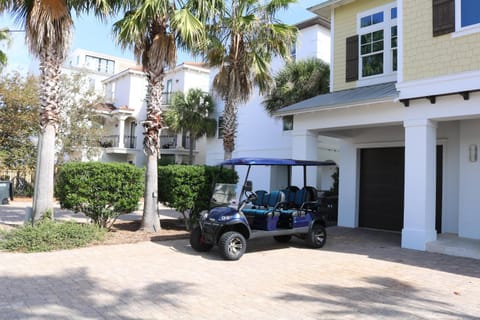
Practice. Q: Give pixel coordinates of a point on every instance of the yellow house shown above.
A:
(404, 107)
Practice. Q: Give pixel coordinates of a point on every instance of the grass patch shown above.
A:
(49, 235)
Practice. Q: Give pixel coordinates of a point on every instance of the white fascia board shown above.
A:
(123, 74)
(466, 81)
(324, 9)
(333, 107)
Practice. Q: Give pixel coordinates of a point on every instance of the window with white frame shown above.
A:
(468, 13)
(377, 30)
(287, 122)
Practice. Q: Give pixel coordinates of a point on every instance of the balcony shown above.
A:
(170, 141)
(112, 144)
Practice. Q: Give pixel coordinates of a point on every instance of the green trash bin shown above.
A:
(6, 192)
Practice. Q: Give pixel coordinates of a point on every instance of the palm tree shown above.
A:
(296, 82)
(243, 40)
(190, 113)
(48, 25)
(154, 29)
(3, 57)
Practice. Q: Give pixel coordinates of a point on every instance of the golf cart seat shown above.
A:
(260, 200)
(265, 218)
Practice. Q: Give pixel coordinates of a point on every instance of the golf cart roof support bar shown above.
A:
(244, 184)
(304, 176)
(289, 176)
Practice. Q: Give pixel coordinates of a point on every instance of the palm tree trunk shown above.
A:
(50, 62)
(43, 193)
(229, 128)
(151, 146)
(151, 220)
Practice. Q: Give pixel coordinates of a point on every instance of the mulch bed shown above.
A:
(130, 232)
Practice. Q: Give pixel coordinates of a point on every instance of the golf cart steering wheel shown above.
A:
(250, 195)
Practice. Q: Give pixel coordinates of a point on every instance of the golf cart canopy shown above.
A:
(275, 162)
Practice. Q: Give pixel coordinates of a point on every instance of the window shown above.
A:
(99, 64)
(220, 128)
(377, 31)
(393, 45)
(168, 99)
(462, 16)
(287, 123)
(371, 48)
(469, 12)
(371, 19)
(293, 51)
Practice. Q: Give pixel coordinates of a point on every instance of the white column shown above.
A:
(304, 147)
(348, 185)
(121, 131)
(420, 188)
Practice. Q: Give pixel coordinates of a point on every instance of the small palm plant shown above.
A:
(191, 113)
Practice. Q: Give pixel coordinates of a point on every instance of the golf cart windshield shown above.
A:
(224, 194)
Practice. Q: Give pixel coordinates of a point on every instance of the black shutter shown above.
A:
(443, 17)
(352, 59)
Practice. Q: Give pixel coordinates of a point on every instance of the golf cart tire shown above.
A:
(197, 242)
(282, 239)
(317, 236)
(232, 245)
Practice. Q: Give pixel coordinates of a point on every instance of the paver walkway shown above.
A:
(359, 274)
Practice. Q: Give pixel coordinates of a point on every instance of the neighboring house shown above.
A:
(96, 66)
(261, 135)
(126, 109)
(405, 107)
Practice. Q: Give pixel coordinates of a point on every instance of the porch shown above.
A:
(453, 245)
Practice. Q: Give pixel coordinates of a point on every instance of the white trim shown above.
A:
(399, 40)
(466, 31)
(343, 106)
(386, 26)
(459, 82)
(459, 30)
(376, 79)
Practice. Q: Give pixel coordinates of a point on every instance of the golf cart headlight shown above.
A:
(226, 218)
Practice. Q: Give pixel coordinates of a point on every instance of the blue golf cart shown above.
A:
(281, 214)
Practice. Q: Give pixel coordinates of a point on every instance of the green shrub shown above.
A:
(188, 188)
(48, 235)
(102, 191)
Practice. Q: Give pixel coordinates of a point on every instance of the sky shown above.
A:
(91, 34)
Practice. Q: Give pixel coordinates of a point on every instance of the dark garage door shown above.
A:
(382, 188)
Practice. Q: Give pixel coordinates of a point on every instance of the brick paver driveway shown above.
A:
(358, 275)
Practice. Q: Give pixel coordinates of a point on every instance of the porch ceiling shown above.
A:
(385, 92)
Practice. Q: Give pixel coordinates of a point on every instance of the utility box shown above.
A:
(6, 192)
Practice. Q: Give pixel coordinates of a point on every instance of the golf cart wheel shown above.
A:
(282, 239)
(232, 245)
(198, 242)
(317, 236)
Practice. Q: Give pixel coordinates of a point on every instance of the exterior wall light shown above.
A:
(473, 153)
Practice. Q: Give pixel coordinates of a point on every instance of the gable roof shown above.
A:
(384, 92)
(324, 9)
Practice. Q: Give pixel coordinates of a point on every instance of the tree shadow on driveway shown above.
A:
(75, 295)
(378, 298)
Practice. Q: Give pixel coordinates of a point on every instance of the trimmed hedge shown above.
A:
(48, 235)
(102, 191)
(188, 188)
